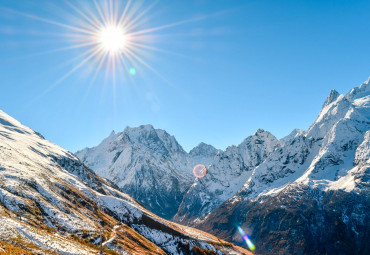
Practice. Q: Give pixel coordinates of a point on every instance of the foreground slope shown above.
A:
(311, 196)
(51, 203)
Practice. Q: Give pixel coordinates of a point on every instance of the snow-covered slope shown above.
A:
(227, 173)
(51, 203)
(291, 136)
(261, 179)
(151, 166)
(203, 154)
(145, 163)
(313, 191)
(322, 155)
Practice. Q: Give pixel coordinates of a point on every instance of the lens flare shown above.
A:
(200, 171)
(246, 239)
(108, 36)
(132, 70)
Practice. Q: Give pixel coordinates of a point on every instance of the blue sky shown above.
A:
(236, 66)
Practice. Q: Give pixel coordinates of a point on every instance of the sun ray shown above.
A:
(144, 46)
(91, 21)
(110, 11)
(94, 52)
(92, 15)
(71, 60)
(115, 40)
(126, 69)
(130, 25)
(77, 29)
(123, 15)
(100, 61)
(106, 11)
(148, 66)
(145, 31)
(101, 15)
(174, 24)
(72, 47)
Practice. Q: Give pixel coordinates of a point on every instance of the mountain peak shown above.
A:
(260, 136)
(141, 128)
(333, 95)
(8, 121)
(367, 81)
(358, 92)
(143, 133)
(260, 130)
(14, 125)
(292, 135)
(152, 137)
(203, 149)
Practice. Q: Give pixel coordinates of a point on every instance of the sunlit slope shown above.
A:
(311, 195)
(52, 203)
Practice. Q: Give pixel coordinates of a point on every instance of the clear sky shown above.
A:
(231, 68)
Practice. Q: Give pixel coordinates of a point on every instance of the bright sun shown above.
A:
(112, 36)
(113, 39)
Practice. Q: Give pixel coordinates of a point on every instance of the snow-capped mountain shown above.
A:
(291, 136)
(151, 166)
(305, 194)
(227, 173)
(51, 203)
(145, 163)
(203, 154)
(310, 196)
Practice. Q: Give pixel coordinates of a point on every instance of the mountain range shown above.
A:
(304, 194)
(51, 203)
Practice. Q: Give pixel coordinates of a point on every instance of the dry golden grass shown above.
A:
(126, 238)
(135, 243)
(10, 249)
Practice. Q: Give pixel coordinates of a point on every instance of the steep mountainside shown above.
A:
(226, 174)
(145, 163)
(51, 203)
(203, 154)
(291, 136)
(307, 193)
(151, 166)
(311, 195)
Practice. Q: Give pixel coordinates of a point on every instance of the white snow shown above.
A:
(11, 229)
(328, 156)
(36, 174)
